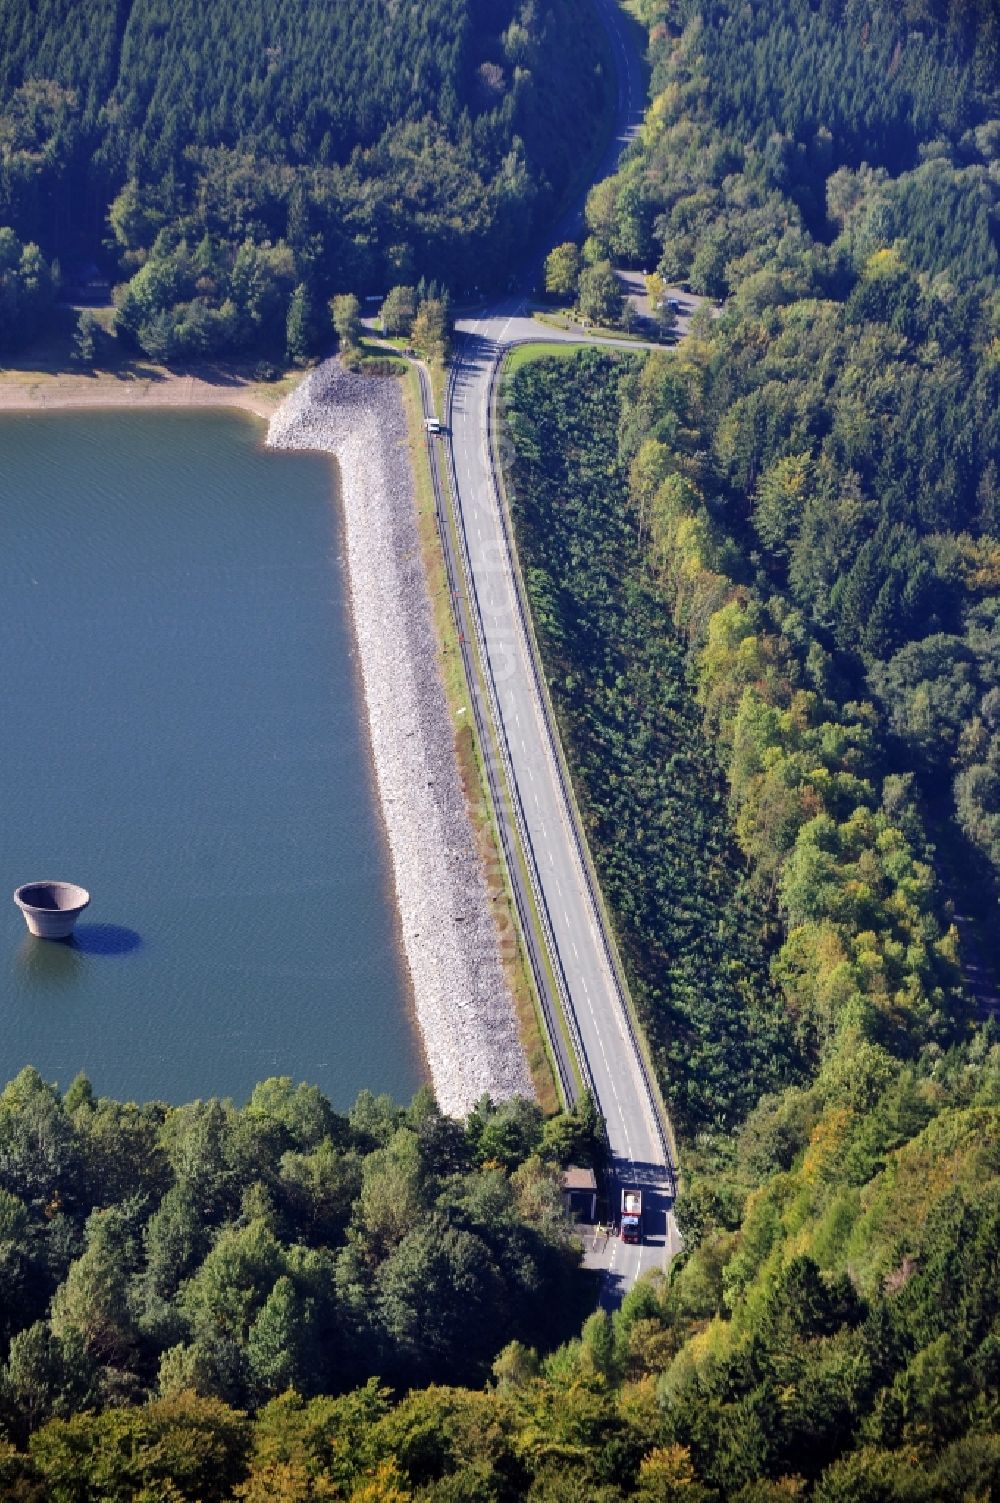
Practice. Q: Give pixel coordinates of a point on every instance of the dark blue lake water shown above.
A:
(181, 732)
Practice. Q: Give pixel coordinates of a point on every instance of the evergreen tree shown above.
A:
(300, 333)
(85, 339)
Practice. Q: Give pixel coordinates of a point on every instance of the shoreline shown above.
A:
(464, 1007)
(24, 391)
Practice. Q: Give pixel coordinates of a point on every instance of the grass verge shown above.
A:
(371, 357)
(559, 320)
(522, 353)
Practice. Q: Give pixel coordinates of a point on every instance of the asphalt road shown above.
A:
(551, 838)
(511, 831)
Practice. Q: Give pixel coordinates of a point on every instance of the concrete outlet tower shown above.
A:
(51, 909)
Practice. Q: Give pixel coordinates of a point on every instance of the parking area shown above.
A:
(687, 303)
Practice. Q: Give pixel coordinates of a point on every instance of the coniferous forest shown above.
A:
(765, 573)
(784, 533)
(841, 195)
(215, 159)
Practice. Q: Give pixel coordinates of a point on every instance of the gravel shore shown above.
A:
(463, 1004)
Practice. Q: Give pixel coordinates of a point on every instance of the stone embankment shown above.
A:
(463, 1004)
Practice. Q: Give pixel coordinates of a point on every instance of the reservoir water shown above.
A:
(182, 732)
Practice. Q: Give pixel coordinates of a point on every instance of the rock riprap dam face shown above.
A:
(184, 728)
(463, 1004)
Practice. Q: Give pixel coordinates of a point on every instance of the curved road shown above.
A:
(552, 841)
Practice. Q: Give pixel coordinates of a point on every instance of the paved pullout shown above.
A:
(554, 843)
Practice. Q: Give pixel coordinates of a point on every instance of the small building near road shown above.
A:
(580, 1193)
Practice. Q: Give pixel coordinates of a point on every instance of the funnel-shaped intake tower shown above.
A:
(51, 909)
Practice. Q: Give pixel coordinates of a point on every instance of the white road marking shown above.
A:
(479, 505)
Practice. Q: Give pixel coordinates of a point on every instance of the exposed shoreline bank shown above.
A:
(25, 391)
(463, 1004)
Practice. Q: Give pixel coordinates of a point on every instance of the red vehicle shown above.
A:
(631, 1215)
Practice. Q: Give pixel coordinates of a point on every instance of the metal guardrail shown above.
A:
(657, 1112)
(567, 1081)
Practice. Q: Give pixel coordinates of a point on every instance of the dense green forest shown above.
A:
(840, 1345)
(831, 171)
(693, 925)
(818, 837)
(150, 1249)
(803, 498)
(218, 159)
